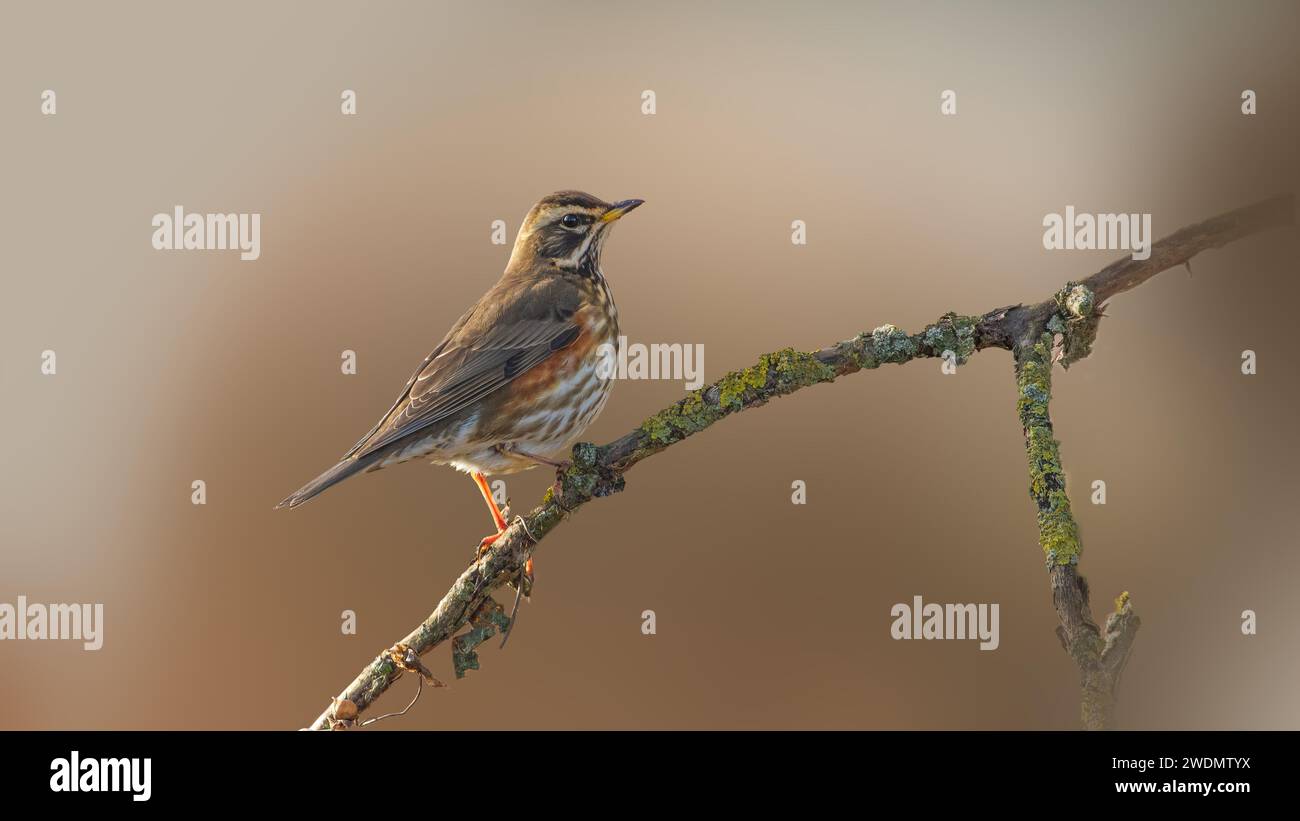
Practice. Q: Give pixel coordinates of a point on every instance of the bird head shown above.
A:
(567, 230)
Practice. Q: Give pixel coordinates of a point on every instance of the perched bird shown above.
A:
(517, 379)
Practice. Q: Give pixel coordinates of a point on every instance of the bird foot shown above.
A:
(486, 543)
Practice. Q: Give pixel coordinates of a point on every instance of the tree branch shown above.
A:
(1060, 328)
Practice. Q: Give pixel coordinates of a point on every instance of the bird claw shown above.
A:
(486, 543)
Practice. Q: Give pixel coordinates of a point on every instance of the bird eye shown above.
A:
(570, 220)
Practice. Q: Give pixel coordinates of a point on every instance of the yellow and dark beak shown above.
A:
(618, 209)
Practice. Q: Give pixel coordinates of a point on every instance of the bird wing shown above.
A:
(512, 329)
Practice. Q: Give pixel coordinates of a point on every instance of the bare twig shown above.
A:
(419, 688)
(1063, 327)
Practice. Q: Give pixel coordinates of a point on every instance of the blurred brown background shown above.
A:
(375, 236)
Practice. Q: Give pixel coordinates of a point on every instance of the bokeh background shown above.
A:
(375, 237)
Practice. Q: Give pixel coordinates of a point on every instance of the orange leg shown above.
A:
(497, 518)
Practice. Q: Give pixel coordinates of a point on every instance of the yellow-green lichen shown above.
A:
(1058, 533)
(773, 375)
(688, 416)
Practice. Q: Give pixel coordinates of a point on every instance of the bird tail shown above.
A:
(329, 478)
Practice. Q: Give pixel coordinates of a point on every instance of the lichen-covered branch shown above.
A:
(1100, 660)
(1057, 531)
(1060, 328)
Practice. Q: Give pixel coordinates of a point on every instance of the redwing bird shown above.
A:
(518, 378)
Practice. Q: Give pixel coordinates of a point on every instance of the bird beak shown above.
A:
(618, 209)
